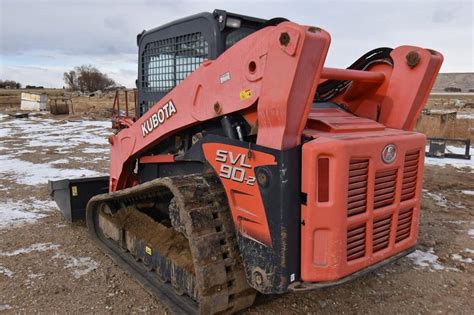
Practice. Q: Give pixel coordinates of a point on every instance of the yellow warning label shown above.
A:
(74, 191)
(245, 94)
(148, 250)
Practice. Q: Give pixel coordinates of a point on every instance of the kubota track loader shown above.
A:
(252, 167)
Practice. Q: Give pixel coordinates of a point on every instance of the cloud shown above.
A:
(103, 32)
(33, 75)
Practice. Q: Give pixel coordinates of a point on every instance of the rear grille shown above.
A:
(405, 218)
(410, 171)
(388, 188)
(381, 233)
(384, 190)
(357, 189)
(356, 242)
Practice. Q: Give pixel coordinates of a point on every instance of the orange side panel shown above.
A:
(236, 169)
(373, 207)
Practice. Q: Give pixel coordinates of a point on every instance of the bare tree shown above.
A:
(70, 78)
(87, 78)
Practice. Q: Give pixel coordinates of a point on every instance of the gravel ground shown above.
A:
(48, 265)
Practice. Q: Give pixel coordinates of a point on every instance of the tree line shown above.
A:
(9, 84)
(85, 78)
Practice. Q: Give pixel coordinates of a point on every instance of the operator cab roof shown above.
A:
(219, 18)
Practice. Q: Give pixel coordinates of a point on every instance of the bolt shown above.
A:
(262, 178)
(413, 59)
(314, 29)
(217, 108)
(258, 278)
(284, 39)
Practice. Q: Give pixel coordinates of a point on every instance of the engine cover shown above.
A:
(363, 200)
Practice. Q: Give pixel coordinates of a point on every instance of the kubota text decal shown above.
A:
(158, 118)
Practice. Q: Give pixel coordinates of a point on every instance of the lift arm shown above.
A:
(278, 66)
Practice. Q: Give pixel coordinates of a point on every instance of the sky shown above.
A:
(41, 39)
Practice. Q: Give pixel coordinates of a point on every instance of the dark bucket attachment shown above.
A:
(72, 195)
(437, 147)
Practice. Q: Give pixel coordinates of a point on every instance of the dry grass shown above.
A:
(449, 101)
(432, 126)
(102, 105)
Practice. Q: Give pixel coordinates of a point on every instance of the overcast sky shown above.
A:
(40, 39)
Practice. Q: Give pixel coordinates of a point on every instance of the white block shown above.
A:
(33, 102)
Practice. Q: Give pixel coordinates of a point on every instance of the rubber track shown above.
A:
(205, 216)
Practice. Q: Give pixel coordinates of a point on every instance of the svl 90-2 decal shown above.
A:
(234, 167)
(237, 173)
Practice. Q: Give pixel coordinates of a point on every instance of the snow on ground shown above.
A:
(427, 260)
(457, 163)
(38, 247)
(60, 161)
(455, 150)
(439, 199)
(28, 173)
(457, 222)
(465, 115)
(471, 233)
(21, 139)
(96, 150)
(468, 192)
(461, 258)
(4, 132)
(6, 272)
(5, 307)
(80, 265)
(15, 213)
(40, 132)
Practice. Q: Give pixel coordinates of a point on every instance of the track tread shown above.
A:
(204, 218)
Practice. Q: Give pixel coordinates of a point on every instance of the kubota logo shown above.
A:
(158, 118)
(389, 153)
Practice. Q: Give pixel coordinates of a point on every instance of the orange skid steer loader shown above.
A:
(250, 167)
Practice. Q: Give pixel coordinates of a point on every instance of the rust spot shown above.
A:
(413, 59)
(284, 39)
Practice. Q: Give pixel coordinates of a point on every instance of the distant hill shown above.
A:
(464, 81)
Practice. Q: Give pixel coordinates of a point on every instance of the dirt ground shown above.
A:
(88, 104)
(48, 265)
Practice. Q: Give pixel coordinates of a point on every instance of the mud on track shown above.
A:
(48, 265)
